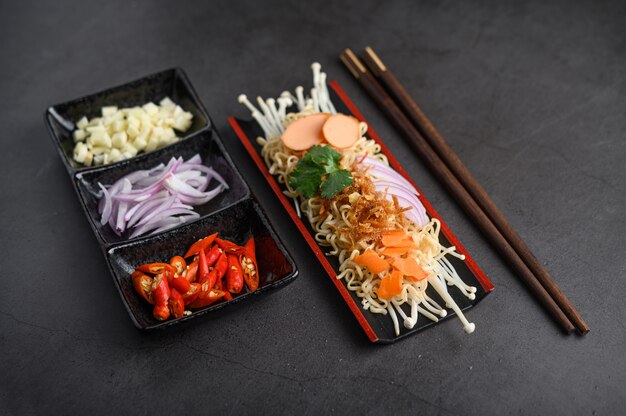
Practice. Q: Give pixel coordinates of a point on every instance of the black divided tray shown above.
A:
(235, 213)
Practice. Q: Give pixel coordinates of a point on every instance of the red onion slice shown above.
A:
(159, 198)
(380, 170)
(417, 213)
(106, 210)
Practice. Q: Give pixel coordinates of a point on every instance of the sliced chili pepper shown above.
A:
(192, 293)
(191, 272)
(178, 282)
(210, 279)
(179, 264)
(203, 267)
(200, 245)
(234, 275)
(206, 297)
(160, 294)
(249, 265)
(219, 284)
(161, 312)
(143, 285)
(176, 303)
(212, 255)
(228, 246)
(221, 265)
(155, 268)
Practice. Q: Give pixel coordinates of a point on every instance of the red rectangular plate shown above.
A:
(377, 327)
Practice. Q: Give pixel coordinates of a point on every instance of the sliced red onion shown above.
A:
(211, 173)
(108, 205)
(149, 206)
(199, 201)
(406, 199)
(120, 224)
(384, 182)
(155, 212)
(131, 212)
(382, 171)
(159, 198)
(194, 160)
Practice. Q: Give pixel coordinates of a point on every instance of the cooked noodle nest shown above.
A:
(430, 254)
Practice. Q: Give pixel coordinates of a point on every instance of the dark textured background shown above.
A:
(531, 95)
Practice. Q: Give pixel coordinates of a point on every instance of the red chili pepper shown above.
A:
(143, 285)
(203, 267)
(192, 293)
(206, 297)
(249, 265)
(212, 255)
(178, 282)
(179, 264)
(200, 245)
(221, 265)
(160, 294)
(176, 304)
(210, 278)
(228, 246)
(191, 272)
(161, 312)
(155, 268)
(234, 275)
(228, 296)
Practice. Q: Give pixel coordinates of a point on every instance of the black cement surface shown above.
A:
(532, 95)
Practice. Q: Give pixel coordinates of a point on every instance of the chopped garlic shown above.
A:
(121, 133)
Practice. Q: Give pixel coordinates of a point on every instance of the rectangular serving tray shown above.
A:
(173, 83)
(236, 223)
(235, 214)
(377, 327)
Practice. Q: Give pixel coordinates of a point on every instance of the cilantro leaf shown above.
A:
(336, 182)
(324, 156)
(319, 170)
(306, 178)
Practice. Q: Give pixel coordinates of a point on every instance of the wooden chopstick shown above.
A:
(461, 195)
(454, 163)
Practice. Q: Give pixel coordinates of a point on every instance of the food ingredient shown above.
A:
(318, 173)
(122, 133)
(157, 199)
(175, 287)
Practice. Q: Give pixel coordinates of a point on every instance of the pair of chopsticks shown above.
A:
(393, 99)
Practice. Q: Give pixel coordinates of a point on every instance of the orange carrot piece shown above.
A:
(410, 268)
(393, 238)
(395, 251)
(372, 261)
(404, 243)
(390, 286)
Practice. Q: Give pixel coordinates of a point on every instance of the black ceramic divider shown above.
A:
(173, 83)
(235, 213)
(205, 143)
(236, 223)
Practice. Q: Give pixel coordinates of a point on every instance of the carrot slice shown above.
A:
(410, 268)
(372, 261)
(404, 243)
(390, 286)
(306, 132)
(341, 131)
(393, 238)
(395, 251)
